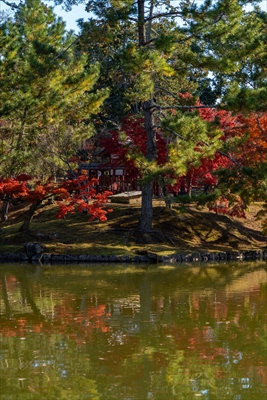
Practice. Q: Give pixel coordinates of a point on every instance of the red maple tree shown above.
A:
(71, 195)
(134, 142)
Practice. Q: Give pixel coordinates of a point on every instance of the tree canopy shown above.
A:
(165, 64)
(160, 52)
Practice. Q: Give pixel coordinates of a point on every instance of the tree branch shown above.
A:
(168, 14)
(65, 50)
(12, 5)
(158, 107)
(229, 158)
(168, 92)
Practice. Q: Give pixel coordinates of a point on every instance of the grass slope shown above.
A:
(194, 230)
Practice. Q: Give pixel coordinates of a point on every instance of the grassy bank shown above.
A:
(173, 231)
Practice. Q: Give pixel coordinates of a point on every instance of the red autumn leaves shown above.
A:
(73, 195)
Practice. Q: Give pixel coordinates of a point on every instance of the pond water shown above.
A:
(128, 332)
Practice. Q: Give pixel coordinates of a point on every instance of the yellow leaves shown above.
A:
(12, 54)
(147, 64)
(149, 61)
(164, 67)
(119, 4)
(155, 63)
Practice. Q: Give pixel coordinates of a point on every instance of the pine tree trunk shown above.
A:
(145, 222)
(141, 22)
(28, 216)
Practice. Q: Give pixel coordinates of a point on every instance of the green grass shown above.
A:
(193, 230)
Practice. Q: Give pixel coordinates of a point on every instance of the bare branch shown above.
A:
(168, 92)
(12, 5)
(158, 107)
(160, 15)
(65, 50)
(175, 133)
(229, 158)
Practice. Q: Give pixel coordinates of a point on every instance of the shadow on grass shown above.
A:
(194, 230)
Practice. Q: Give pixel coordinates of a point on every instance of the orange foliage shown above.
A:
(69, 194)
(231, 205)
(254, 150)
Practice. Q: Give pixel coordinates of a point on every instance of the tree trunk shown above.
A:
(29, 215)
(190, 185)
(141, 23)
(4, 213)
(145, 222)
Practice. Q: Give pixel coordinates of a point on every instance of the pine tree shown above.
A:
(46, 84)
(243, 89)
(167, 50)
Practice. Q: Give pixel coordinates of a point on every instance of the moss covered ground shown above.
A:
(194, 229)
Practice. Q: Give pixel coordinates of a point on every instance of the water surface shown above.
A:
(126, 332)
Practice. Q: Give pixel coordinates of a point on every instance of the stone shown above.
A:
(166, 259)
(33, 248)
(15, 257)
(126, 259)
(84, 257)
(143, 259)
(136, 259)
(4, 256)
(114, 258)
(46, 258)
(37, 258)
(64, 258)
(53, 236)
(178, 257)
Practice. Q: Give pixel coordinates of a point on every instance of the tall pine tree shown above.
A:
(162, 51)
(46, 85)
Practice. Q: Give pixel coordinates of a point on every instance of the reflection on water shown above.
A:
(126, 332)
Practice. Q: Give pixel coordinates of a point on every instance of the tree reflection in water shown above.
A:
(126, 332)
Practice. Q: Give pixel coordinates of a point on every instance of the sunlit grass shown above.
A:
(193, 231)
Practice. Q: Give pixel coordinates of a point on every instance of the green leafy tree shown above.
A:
(46, 86)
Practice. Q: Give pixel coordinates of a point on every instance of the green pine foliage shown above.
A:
(45, 82)
(161, 52)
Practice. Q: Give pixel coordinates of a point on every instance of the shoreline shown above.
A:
(146, 257)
